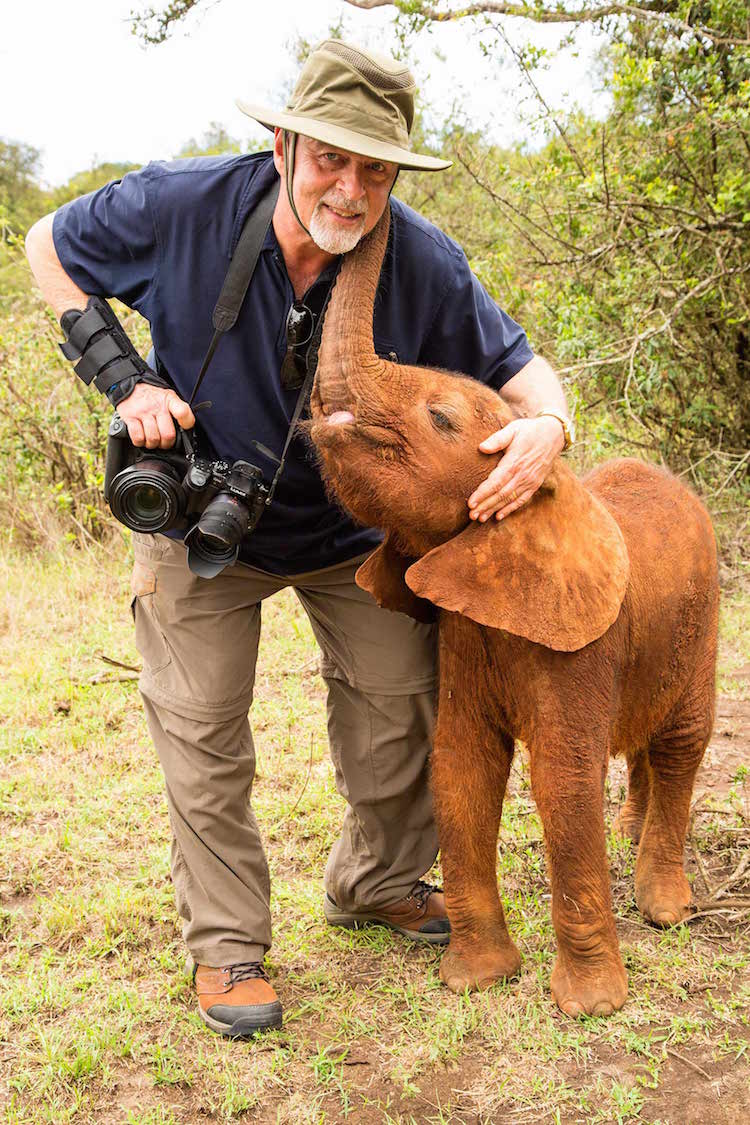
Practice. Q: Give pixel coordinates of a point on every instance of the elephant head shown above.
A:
(398, 448)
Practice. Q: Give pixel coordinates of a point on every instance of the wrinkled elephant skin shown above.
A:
(584, 625)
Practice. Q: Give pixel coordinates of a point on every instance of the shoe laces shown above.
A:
(421, 891)
(246, 970)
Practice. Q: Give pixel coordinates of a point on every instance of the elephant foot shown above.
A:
(478, 969)
(663, 899)
(596, 988)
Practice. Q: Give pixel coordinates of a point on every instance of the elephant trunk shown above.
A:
(348, 366)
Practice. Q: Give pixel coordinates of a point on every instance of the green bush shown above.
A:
(52, 430)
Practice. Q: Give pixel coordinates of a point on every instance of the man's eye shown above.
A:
(441, 421)
(377, 167)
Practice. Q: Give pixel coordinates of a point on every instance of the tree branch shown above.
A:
(155, 24)
(659, 11)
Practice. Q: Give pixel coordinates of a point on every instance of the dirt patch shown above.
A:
(720, 1095)
(134, 1091)
(693, 1087)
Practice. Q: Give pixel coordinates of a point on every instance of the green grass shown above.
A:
(98, 1020)
(734, 655)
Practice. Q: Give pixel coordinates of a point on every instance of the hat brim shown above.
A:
(343, 138)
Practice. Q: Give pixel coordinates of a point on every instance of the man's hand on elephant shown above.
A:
(148, 414)
(531, 445)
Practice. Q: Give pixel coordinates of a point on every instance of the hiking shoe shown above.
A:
(237, 1001)
(420, 916)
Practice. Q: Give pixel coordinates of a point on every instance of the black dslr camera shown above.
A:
(153, 490)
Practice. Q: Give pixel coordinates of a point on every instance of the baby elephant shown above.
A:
(584, 625)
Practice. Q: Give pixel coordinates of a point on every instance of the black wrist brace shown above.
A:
(102, 353)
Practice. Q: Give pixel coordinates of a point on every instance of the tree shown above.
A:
(215, 141)
(20, 193)
(638, 229)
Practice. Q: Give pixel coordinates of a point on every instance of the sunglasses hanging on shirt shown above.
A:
(300, 326)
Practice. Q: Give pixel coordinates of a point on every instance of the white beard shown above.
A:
(328, 235)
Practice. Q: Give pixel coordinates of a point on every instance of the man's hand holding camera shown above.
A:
(148, 412)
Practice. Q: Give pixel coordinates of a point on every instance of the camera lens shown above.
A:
(146, 503)
(214, 541)
(147, 497)
(223, 523)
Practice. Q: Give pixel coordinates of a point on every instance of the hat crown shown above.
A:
(357, 100)
(384, 73)
(341, 83)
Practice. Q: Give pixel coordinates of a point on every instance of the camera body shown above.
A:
(157, 490)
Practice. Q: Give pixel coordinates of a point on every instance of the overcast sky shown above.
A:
(75, 82)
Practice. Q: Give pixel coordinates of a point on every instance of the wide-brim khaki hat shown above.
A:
(353, 99)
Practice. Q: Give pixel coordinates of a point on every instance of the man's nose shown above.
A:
(352, 183)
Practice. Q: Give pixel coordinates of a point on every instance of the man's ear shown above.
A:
(555, 571)
(382, 575)
(278, 150)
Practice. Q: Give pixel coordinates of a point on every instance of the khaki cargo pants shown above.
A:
(199, 639)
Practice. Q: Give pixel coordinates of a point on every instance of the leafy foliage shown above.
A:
(20, 194)
(214, 142)
(154, 25)
(52, 433)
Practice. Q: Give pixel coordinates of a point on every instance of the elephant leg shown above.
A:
(568, 784)
(633, 813)
(662, 891)
(470, 767)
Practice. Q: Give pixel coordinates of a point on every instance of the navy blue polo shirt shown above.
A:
(160, 240)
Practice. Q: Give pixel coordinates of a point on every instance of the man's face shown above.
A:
(340, 196)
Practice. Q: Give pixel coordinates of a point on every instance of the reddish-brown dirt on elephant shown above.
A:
(584, 625)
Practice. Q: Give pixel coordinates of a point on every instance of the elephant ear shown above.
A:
(554, 572)
(382, 575)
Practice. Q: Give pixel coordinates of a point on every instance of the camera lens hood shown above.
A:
(204, 557)
(208, 566)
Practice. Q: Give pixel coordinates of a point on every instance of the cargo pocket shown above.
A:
(149, 638)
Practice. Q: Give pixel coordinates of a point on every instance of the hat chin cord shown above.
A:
(290, 148)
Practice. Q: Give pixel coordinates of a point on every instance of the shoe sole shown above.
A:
(245, 1027)
(359, 921)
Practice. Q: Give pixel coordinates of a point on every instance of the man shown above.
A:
(160, 240)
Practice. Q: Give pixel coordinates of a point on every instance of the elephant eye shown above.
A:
(442, 421)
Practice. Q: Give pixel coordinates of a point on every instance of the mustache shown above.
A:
(341, 203)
